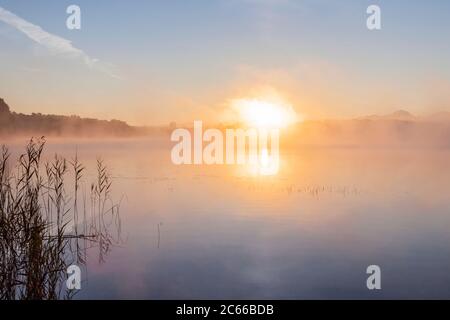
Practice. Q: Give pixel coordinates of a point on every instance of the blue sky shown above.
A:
(179, 60)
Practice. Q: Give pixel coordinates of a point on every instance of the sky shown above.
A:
(152, 62)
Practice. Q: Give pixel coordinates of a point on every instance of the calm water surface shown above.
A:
(308, 232)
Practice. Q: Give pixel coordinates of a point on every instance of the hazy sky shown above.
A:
(151, 62)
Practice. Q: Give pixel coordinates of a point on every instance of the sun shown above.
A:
(261, 113)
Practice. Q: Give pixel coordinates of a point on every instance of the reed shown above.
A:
(41, 229)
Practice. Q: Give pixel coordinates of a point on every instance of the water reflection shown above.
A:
(42, 230)
(309, 231)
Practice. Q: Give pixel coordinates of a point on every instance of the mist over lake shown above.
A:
(247, 151)
(200, 232)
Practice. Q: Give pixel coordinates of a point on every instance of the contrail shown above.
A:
(53, 43)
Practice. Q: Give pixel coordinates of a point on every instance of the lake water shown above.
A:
(204, 232)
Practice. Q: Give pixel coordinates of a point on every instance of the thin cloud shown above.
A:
(55, 44)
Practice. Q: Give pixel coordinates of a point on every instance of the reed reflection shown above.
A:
(42, 228)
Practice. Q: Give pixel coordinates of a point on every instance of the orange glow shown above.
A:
(264, 114)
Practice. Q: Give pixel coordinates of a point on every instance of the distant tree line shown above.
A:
(36, 124)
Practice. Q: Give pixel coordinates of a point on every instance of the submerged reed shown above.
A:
(41, 229)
